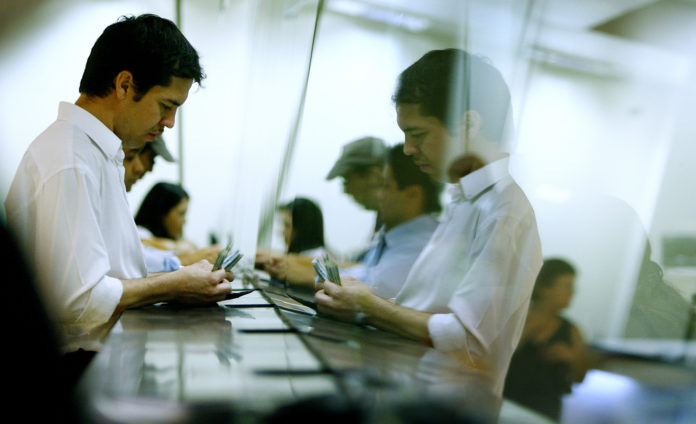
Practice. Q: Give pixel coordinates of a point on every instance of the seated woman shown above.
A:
(303, 227)
(551, 353)
(160, 220)
(303, 234)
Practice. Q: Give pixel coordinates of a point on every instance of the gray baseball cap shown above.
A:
(160, 148)
(364, 151)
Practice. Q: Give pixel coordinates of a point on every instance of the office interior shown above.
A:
(603, 97)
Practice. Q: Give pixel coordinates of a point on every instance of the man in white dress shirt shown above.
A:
(67, 202)
(468, 293)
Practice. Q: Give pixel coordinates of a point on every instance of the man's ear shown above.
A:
(123, 83)
(470, 123)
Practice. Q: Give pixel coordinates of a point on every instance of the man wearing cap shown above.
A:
(409, 203)
(360, 165)
(137, 163)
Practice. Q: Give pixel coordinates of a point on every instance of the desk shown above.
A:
(251, 355)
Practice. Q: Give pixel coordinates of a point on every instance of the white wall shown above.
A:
(41, 63)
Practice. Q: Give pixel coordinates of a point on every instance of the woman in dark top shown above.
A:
(303, 225)
(551, 355)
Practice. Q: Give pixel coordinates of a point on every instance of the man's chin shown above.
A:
(133, 144)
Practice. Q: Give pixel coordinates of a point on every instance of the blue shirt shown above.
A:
(386, 270)
(158, 260)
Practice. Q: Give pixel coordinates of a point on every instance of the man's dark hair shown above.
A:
(550, 271)
(447, 83)
(151, 48)
(406, 173)
(161, 199)
(307, 224)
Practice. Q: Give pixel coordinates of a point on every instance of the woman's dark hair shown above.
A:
(151, 48)
(407, 173)
(446, 83)
(161, 199)
(550, 271)
(307, 224)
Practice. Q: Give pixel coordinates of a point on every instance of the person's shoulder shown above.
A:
(63, 144)
(506, 199)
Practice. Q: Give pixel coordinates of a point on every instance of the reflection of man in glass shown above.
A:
(469, 290)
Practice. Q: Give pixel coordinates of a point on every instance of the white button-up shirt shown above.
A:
(477, 273)
(67, 204)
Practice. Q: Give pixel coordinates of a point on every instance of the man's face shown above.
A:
(426, 139)
(139, 122)
(391, 199)
(147, 157)
(134, 167)
(363, 187)
(561, 291)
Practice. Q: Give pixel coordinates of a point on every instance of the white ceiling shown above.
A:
(606, 37)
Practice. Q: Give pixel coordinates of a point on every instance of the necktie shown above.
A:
(375, 253)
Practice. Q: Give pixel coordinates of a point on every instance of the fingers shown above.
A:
(323, 299)
(219, 275)
(331, 288)
(224, 287)
(205, 264)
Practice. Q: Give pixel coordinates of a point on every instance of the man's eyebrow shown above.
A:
(174, 102)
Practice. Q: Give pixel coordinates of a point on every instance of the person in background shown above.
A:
(468, 293)
(360, 166)
(551, 355)
(303, 234)
(67, 203)
(303, 227)
(137, 163)
(409, 202)
(162, 216)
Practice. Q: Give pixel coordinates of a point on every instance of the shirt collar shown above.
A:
(472, 185)
(408, 228)
(103, 137)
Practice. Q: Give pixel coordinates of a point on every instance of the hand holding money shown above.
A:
(326, 270)
(227, 259)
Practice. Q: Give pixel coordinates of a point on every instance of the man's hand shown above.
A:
(276, 267)
(343, 302)
(262, 257)
(197, 284)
